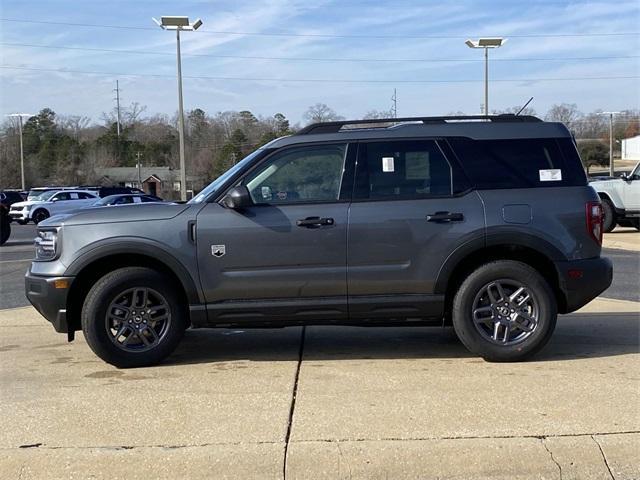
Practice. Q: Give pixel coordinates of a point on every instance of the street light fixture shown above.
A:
(19, 116)
(611, 114)
(178, 24)
(486, 43)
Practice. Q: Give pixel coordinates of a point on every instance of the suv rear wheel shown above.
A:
(608, 216)
(504, 311)
(132, 317)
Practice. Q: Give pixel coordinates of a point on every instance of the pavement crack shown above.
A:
(293, 404)
(342, 457)
(604, 457)
(544, 444)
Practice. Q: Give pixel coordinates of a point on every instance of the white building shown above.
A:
(631, 148)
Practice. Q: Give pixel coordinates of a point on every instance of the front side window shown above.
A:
(300, 175)
(62, 196)
(402, 169)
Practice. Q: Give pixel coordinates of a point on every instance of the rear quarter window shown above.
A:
(519, 163)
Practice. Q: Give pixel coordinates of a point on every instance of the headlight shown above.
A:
(46, 244)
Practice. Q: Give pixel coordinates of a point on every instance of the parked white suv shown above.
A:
(620, 200)
(51, 203)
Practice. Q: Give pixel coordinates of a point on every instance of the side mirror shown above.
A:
(54, 200)
(237, 198)
(626, 177)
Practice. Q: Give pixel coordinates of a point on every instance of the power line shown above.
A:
(314, 59)
(326, 35)
(314, 80)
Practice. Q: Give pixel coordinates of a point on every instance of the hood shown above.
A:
(121, 213)
(27, 203)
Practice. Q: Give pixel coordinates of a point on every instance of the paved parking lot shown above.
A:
(325, 402)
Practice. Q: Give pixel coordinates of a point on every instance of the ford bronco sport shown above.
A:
(484, 222)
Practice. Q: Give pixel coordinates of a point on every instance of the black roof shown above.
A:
(479, 127)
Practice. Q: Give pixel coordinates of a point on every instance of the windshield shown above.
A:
(45, 195)
(102, 201)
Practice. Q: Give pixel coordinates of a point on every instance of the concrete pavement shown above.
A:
(336, 402)
(622, 238)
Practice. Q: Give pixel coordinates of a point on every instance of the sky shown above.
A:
(283, 56)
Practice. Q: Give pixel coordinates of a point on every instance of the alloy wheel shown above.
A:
(138, 319)
(505, 312)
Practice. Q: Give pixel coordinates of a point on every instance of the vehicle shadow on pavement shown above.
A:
(577, 336)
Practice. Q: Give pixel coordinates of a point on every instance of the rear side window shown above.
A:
(402, 169)
(520, 163)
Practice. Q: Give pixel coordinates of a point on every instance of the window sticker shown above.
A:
(388, 164)
(551, 175)
(416, 165)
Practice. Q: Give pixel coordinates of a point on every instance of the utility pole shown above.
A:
(139, 165)
(117, 90)
(394, 99)
(611, 114)
(20, 115)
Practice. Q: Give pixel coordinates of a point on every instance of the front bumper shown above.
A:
(583, 280)
(49, 299)
(19, 214)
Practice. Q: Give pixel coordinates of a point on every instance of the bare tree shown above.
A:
(376, 114)
(566, 113)
(319, 113)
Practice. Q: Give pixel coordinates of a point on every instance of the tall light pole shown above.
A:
(19, 116)
(486, 43)
(178, 24)
(611, 114)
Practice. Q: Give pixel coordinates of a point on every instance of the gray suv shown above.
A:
(483, 222)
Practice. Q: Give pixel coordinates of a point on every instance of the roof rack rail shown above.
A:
(335, 127)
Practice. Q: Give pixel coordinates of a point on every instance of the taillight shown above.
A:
(594, 220)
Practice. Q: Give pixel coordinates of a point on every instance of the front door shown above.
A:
(406, 218)
(284, 258)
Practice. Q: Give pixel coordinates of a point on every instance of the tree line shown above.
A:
(67, 149)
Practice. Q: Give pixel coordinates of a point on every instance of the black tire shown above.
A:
(609, 216)
(5, 229)
(22, 222)
(517, 273)
(40, 215)
(109, 289)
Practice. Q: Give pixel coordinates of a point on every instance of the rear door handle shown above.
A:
(443, 217)
(314, 222)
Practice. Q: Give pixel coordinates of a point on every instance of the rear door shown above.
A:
(411, 209)
(284, 258)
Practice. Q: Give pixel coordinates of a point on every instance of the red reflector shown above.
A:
(575, 273)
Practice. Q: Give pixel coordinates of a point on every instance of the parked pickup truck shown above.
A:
(620, 200)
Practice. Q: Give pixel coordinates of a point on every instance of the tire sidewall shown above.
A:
(609, 216)
(105, 291)
(39, 213)
(507, 270)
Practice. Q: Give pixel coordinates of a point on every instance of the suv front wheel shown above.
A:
(504, 311)
(132, 317)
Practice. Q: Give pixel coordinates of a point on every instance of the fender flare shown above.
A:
(519, 239)
(135, 246)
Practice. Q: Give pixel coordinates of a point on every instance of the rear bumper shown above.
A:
(583, 280)
(50, 301)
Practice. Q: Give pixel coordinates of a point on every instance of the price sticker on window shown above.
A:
(388, 164)
(551, 175)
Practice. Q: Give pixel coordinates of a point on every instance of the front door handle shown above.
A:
(314, 222)
(443, 217)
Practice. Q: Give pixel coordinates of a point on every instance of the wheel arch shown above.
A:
(468, 258)
(612, 197)
(91, 266)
